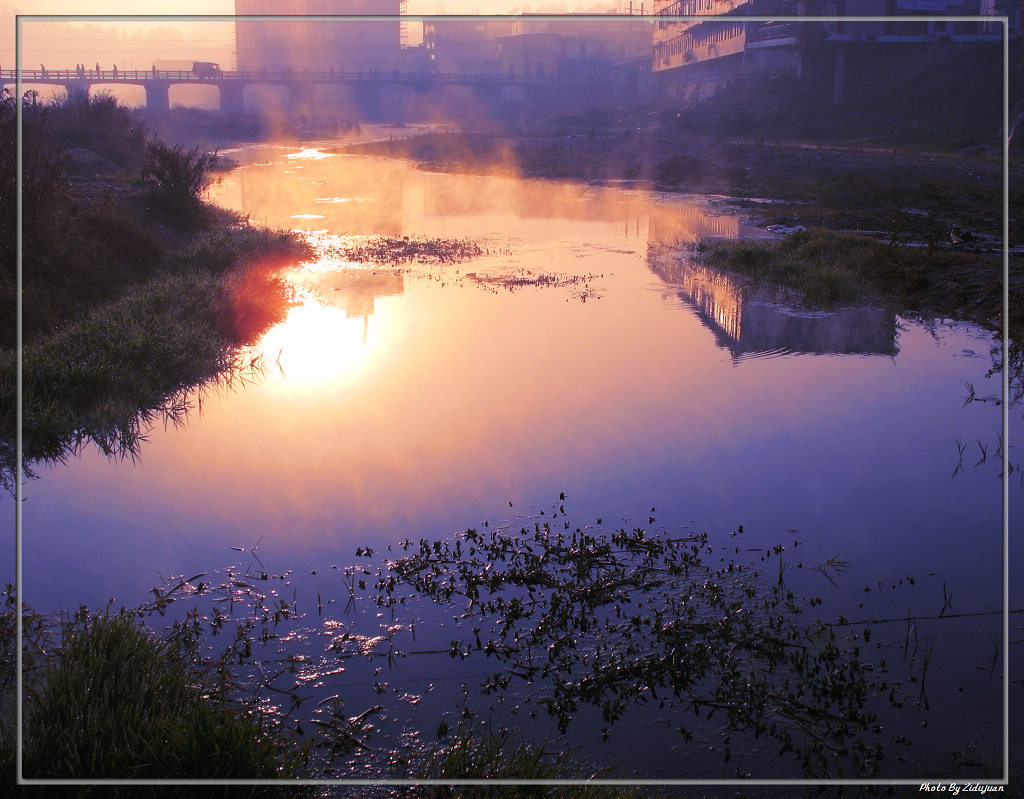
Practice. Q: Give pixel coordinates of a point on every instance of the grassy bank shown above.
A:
(828, 268)
(105, 375)
(825, 269)
(107, 207)
(135, 290)
(841, 188)
(107, 698)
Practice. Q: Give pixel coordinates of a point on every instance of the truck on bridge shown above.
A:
(206, 69)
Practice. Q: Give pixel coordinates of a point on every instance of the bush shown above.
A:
(116, 702)
(177, 176)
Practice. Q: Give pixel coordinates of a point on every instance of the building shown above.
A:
(541, 45)
(465, 46)
(693, 58)
(317, 46)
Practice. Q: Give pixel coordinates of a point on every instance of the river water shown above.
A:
(578, 353)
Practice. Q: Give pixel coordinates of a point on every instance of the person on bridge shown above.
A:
(115, 71)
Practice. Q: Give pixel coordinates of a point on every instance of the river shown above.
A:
(578, 353)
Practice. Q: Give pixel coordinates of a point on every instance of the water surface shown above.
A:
(579, 353)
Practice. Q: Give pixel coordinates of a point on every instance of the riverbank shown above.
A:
(135, 290)
(915, 231)
(827, 269)
(948, 205)
(846, 188)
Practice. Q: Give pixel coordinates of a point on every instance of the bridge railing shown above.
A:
(281, 76)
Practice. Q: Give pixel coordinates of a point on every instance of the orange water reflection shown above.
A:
(407, 396)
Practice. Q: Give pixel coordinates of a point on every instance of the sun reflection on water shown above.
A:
(310, 153)
(316, 343)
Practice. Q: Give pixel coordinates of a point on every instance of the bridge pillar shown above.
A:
(158, 95)
(78, 91)
(232, 95)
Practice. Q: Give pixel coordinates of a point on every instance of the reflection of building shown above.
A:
(276, 45)
(356, 290)
(675, 224)
(748, 322)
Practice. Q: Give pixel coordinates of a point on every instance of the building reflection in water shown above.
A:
(753, 322)
(355, 291)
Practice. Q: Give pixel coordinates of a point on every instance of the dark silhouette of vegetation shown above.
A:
(102, 125)
(176, 176)
(105, 697)
(47, 225)
(476, 751)
(135, 291)
(624, 618)
(826, 269)
(104, 208)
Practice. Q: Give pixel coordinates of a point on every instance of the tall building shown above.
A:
(464, 45)
(694, 57)
(687, 53)
(546, 45)
(321, 45)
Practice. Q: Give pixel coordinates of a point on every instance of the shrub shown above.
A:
(177, 176)
(116, 702)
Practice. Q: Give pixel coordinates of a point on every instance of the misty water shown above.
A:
(580, 353)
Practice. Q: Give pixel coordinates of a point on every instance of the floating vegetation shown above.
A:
(570, 621)
(394, 251)
(479, 752)
(580, 284)
(620, 619)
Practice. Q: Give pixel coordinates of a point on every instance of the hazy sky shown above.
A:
(60, 45)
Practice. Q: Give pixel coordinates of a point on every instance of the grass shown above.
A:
(105, 375)
(105, 698)
(827, 268)
(116, 703)
(176, 176)
(478, 751)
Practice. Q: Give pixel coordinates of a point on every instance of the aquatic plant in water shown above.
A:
(389, 250)
(617, 619)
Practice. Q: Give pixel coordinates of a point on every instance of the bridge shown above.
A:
(366, 84)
